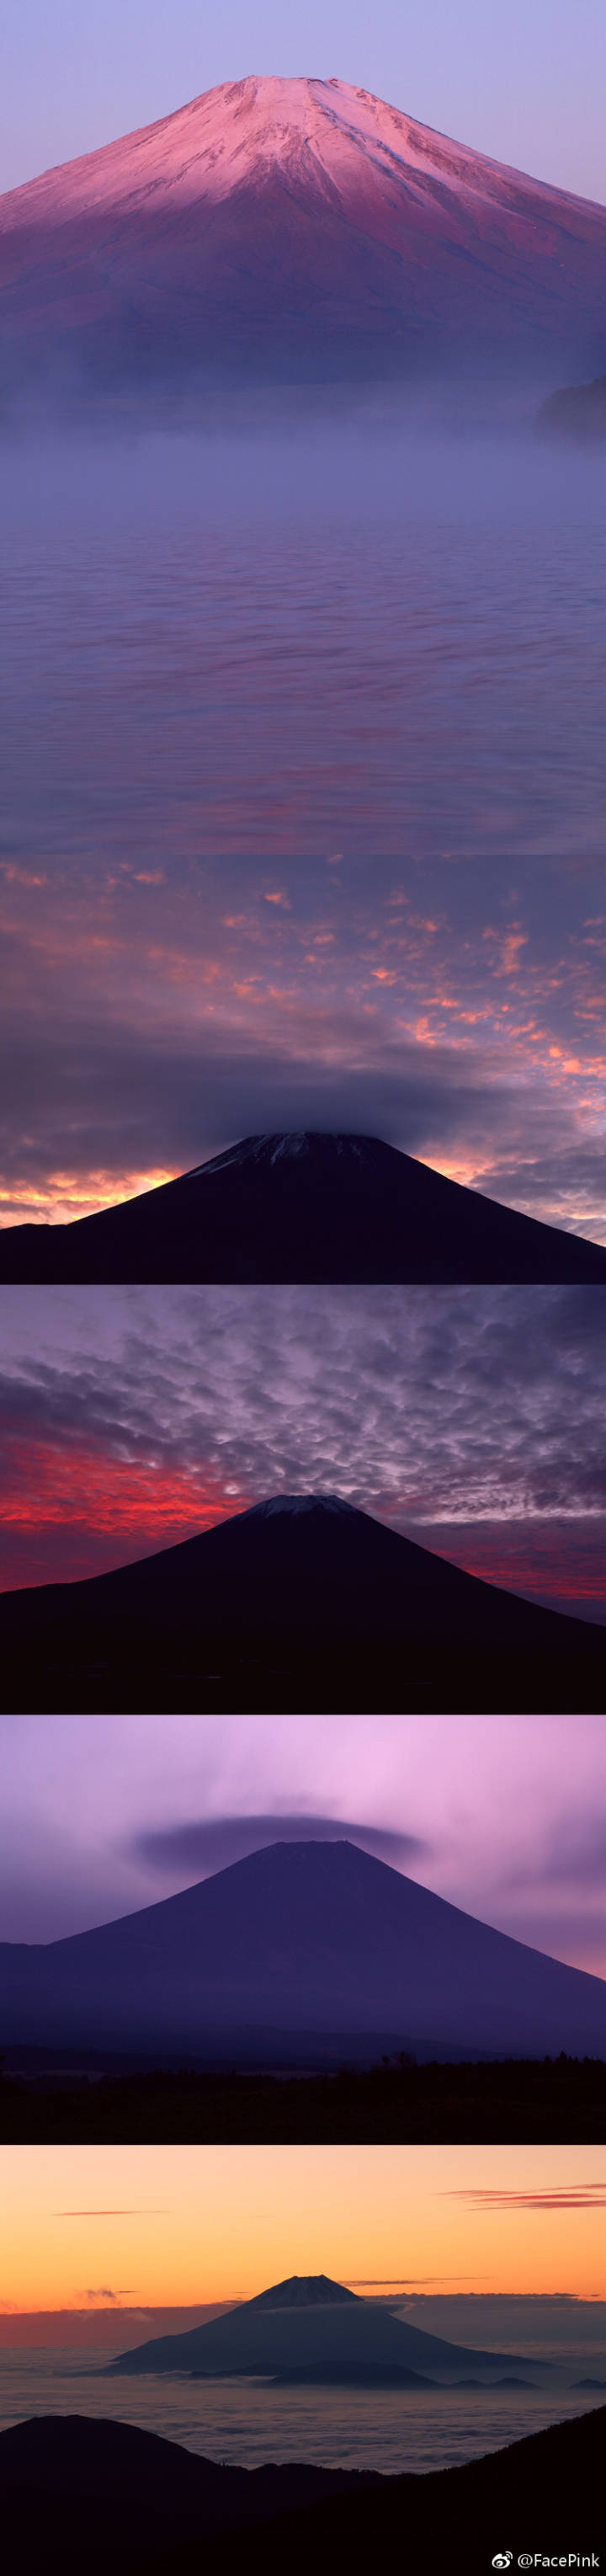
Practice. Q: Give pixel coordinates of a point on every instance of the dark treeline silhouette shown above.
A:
(559, 2100)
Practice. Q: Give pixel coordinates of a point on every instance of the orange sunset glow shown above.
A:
(168, 2226)
(65, 1196)
(477, 1047)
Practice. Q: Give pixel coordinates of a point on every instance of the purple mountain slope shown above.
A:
(302, 1938)
(295, 229)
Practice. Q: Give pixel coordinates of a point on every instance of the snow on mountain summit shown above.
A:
(244, 131)
(296, 1145)
(298, 1503)
(305, 2290)
(295, 230)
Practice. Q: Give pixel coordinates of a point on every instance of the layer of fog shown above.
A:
(294, 463)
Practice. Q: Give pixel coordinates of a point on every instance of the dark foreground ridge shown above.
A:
(304, 1207)
(311, 1947)
(303, 1602)
(76, 2490)
(557, 2101)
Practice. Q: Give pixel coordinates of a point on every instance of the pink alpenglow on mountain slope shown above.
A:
(296, 228)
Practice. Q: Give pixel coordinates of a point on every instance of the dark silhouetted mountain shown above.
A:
(286, 2331)
(577, 411)
(77, 2489)
(302, 1602)
(283, 231)
(549, 2487)
(304, 1207)
(302, 1938)
(304, 2290)
(508, 2381)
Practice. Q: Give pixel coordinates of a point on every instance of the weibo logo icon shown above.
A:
(504, 2558)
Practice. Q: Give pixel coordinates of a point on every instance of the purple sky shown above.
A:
(99, 1816)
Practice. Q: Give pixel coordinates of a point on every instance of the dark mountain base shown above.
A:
(559, 2100)
(314, 1209)
(544, 2494)
(300, 1603)
(77, 2491)
(421, 1678)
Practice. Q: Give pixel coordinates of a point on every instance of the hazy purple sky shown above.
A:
(101, 1815)
(524, 83)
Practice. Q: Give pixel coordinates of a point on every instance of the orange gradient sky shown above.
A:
(185, 2224)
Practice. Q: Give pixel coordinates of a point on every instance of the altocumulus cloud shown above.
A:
(435, 1406)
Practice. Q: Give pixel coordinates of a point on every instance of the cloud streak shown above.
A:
(586, 2196)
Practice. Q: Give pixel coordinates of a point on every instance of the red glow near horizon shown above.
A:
(549, 1556)
(68, 1512)
(71, 1512)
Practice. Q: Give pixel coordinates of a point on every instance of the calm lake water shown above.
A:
(333, 639)
(250, 2422)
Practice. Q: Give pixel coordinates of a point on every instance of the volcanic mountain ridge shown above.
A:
(302, 1601)
(287, 231)
(303, 1950)
(304, 1206)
